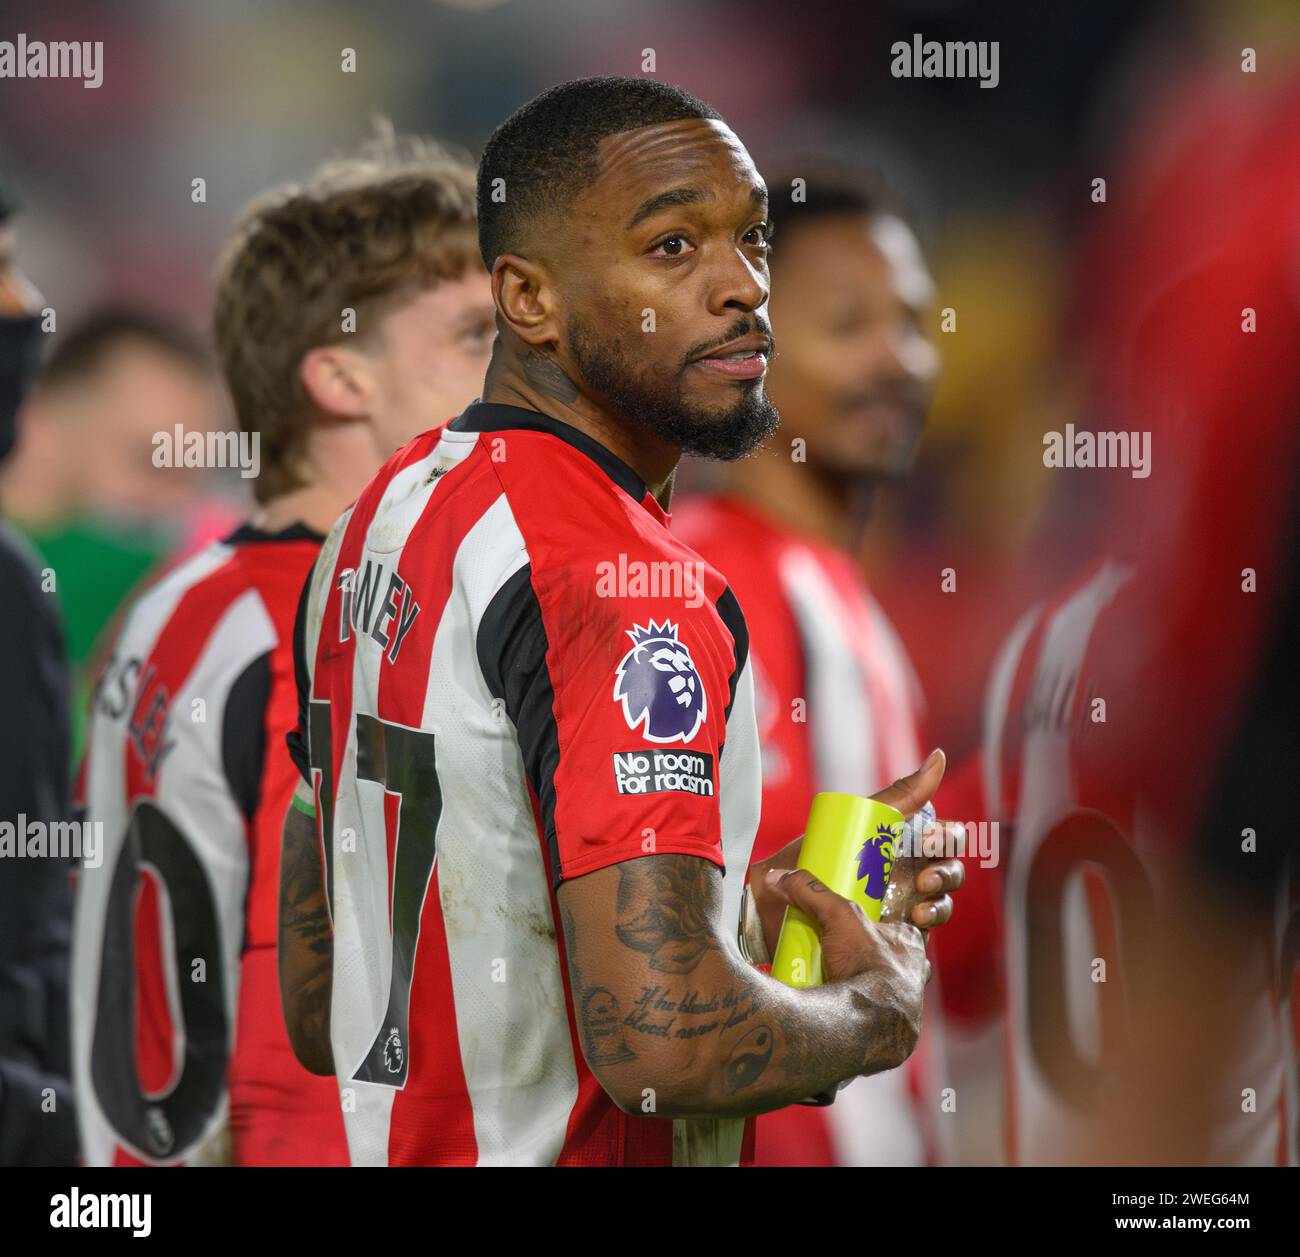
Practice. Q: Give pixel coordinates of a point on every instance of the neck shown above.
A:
(340, 459)
(522, 376)
(830, 509)
(316, 505)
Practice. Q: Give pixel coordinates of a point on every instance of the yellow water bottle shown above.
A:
(849, 847)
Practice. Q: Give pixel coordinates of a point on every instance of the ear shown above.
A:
(525, 298)
(338, 381)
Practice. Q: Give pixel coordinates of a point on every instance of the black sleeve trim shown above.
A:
(296, 739)
(734, 618)
(511, 648)
(243, 733)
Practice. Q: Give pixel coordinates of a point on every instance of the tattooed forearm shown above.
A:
(665, 1007)
(306, 946)
(660, 1012)
(664, 907)
(603, 1039)
(748, 1060)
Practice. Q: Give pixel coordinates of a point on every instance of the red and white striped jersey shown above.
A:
(517, 676)
(177, 1028)
(1088, 848)
(838, 710)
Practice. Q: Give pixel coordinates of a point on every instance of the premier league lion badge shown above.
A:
(875, 861)
(658, 685)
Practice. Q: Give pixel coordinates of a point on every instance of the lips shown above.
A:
(741, 359)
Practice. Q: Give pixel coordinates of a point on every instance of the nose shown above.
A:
(739, 284)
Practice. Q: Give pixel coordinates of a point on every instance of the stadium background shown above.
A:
(247, 94)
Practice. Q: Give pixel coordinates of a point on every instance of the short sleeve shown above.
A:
(620, 705)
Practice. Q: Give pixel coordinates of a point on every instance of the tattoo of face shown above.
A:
(665, 907)
(548, 377)
(602, 1030)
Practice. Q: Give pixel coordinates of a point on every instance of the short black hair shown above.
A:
(803, 191)
(83, 350)
(545, 153)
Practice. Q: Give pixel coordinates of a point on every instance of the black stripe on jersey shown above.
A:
(728, 607)
(496, 417)
(243, 733)
(247, 534)
(296, 738)
(511, 647)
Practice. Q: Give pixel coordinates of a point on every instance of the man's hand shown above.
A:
(851, 942)
(885, 957)
(929, 904)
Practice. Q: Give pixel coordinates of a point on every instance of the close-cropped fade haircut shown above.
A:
(541, 157)
(366, 233)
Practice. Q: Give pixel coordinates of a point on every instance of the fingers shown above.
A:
(801, 889)
(940, 877)
(908, 794)
(925, 916)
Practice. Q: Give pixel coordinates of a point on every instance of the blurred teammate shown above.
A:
(1150, 933)
(838, 703)
(82, 484)
(533, 748)
(35, 904)
(350, 312)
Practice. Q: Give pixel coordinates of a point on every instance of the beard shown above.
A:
(662, 410)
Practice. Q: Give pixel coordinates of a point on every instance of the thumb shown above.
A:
(802, 890)
(909, 794)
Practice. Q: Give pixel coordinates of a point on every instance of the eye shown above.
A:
(760, 235)
(673, 247)
(480, 334)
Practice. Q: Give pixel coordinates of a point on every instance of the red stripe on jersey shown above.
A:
(166, 668)
(436, 1097)
(155, 1056)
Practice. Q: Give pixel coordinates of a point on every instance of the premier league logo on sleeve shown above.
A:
(658, 685)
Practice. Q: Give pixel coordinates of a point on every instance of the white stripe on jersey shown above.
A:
(837, 697)
(717, 1141)
(510, 1010)
(363, 958)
